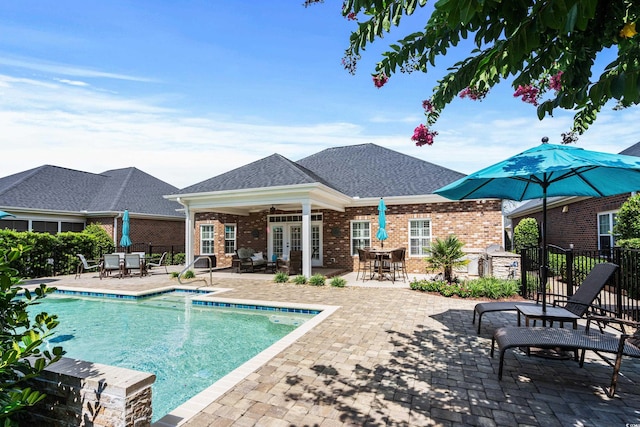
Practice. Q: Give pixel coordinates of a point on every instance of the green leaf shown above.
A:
(571, 19)
(617, 86)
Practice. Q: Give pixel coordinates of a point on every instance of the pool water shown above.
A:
(187, 347)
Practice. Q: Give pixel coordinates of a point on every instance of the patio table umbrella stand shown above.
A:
(549, 170)
(382, 223)
(125, 240)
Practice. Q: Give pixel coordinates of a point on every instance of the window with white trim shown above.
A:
(229, 238)
(360, 235)
(606, 222)
(206, 239)
(419, 237)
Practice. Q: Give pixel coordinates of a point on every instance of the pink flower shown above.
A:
(423, 136)
(528, 94)
(427, 105)
(555, 83)
(380, 80)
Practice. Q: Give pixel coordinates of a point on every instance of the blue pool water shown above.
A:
(187, 347)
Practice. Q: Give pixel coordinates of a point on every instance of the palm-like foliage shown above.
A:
(446, 254)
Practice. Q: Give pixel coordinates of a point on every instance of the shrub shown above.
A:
(317, 280)
(628, 219)
(175, 274)
(281, 277)
(21, 338)
(300, 279)
(488, 287)
(446, 255)
(526, 233)
(189, 274)
(338, 282)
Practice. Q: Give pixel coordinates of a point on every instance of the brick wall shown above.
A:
(155, 232)
(579, 225)
(476, 223)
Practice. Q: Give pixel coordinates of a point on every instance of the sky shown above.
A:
(188, 90)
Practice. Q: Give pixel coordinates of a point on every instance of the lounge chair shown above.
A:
(159, 263)
(86, 266)
(578, 304)
(111, 262)
(576, 340)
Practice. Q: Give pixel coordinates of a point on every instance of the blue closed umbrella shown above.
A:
(5, 214)
(125, 241)
(382, 223)
(550, 170)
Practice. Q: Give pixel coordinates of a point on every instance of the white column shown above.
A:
(306, 239)
(188, 235)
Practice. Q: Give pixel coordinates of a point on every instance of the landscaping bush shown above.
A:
(338, 282)
(446, 255)
(300, 279)
(281, 277)
(21, 337)
(485, 287)
(317, 280)
(189, 274)
(526, 233)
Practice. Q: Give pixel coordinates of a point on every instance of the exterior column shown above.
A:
(306, 239)
(188, 232)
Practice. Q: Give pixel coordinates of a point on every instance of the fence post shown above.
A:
(569, 266)
(618, 259)
(524, 260)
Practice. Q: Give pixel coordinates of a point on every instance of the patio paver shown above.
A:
(390, 356)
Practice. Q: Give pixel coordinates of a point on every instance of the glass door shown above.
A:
(288, 237)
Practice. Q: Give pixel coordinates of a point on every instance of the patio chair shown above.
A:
(365, 264)
(579, 303)
(133, 262)
(159, 263)
(111, 262)
(599, 342)
(293, 265)
(398, 264)
(85, 265)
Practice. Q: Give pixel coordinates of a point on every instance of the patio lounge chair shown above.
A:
(159, 263)
(133, 262)
(86, 266)
(578, 304)
(571, 339)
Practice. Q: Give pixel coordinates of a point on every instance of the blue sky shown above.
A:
(188, 90)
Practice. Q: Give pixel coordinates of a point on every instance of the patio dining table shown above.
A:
(382, 255)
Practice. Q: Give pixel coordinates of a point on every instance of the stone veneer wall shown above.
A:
(82, 393)
(476, 223)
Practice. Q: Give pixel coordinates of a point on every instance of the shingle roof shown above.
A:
(365, 170)
(60, 189)
(634, 150)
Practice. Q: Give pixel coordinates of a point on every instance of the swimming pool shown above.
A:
(188, 347)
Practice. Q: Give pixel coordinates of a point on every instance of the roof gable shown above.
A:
(368, 170)
(272, 171)
(55, 188)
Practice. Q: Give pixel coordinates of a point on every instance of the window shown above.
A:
(229, 238)
(76, 227)
(360, 235)
(44, 227)
(206, 239)
(606, 222)
(419, 237)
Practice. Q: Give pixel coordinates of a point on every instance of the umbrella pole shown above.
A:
(544, 269)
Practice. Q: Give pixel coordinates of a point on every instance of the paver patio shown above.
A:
(396, 357)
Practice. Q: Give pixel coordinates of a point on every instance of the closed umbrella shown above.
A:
(125, 241)
(382, 223)
(550, 170)
(5, 214)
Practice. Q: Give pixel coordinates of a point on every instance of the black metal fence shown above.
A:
(59, 263)
(567, 269)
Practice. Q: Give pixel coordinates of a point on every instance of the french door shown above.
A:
(284, 238)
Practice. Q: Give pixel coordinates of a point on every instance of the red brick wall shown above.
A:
(579, 225)
(477, 224)
(155, 232)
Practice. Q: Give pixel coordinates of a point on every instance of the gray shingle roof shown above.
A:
(366, 170)
(54, 188)
(634, 150)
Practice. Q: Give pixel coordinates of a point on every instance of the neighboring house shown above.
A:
(326, 206)
(52, 199)
(584, 223)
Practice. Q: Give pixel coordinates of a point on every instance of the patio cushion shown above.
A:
(245, 252)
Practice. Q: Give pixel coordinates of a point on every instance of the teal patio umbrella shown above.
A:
(382, 223)
(5, 214)
(125, 241)
(549, 170)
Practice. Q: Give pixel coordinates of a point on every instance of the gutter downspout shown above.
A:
(115, 229)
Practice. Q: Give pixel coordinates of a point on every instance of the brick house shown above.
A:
(326, 206)
(584, 223)
(53, 199)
